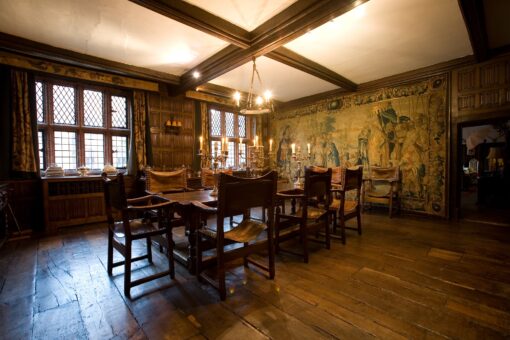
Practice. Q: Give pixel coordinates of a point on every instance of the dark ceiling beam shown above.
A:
(200, 19)
(296, 20)
(31, 48)
(290, 58)
(474, 18)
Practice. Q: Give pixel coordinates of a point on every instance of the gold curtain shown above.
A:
(140, 129)
(23, 153)
(204, 113)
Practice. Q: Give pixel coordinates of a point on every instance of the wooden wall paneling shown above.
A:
(480, 93)
(25, 200)
(74, 200)
(171, 150)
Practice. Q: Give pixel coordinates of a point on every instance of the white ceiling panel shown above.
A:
(117, 30)
(247, 14)
(386, 37)
(285, 83)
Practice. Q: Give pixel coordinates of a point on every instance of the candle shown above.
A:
(240, 140)
(201, 139)
(226, 143)
(270, 145)
(293, 147)
(256, 140)
(308, 146)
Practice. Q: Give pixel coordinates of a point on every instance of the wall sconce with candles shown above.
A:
(299, 158)
(173, 126)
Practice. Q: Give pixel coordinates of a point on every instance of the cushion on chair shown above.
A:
(138, 225)
(313, 213)
(246, 231)
(379, 191)
(348, 206)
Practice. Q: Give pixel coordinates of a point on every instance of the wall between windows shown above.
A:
(405, 126)
(172, 146)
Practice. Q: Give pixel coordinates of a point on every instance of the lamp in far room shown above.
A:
(255, 103)
(495, 158)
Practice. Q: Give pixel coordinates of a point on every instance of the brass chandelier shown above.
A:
(254, 104)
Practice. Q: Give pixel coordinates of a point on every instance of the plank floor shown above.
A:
(406, 277)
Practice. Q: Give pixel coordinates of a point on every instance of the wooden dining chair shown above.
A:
(237, 196)
(165, 182)
(346, 200)
(382, 187)
(312, 215)
(129, 220)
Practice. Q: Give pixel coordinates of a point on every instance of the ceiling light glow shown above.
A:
(180, 57)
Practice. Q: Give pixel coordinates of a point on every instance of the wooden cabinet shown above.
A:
(72, 201)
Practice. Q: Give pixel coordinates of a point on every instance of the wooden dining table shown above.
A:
(186, 253)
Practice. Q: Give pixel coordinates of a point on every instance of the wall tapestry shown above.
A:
(404, 126)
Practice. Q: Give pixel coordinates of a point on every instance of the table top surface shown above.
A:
(204, 196)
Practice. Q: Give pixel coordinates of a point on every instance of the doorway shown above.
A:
(485, 172)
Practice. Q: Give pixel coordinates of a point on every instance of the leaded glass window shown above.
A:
(93, 108)
(215, 123)
(94, 150)
(229, 124)
(242, 126)
(65, 149)
(119, 151)
(39, 102)
(82, 124)
(119, 112)
(63, 105)
(224, 123)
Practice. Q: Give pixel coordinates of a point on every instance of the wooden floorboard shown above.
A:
(405, 277)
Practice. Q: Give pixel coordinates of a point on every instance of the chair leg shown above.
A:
(342, 227)
(149, 250)
(270, 251)
(304, 242)
(127, 269)
(221, 274)
(170, 253)
(277, 231)
(245, 259)
(328, 239)
(358, 217)
(335, 225)
(198, 247)
(110, 252)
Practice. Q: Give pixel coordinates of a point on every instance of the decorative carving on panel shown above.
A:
(403, 126)
(489, 75)
(466, 102)
(489, 98)
(466, 80)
